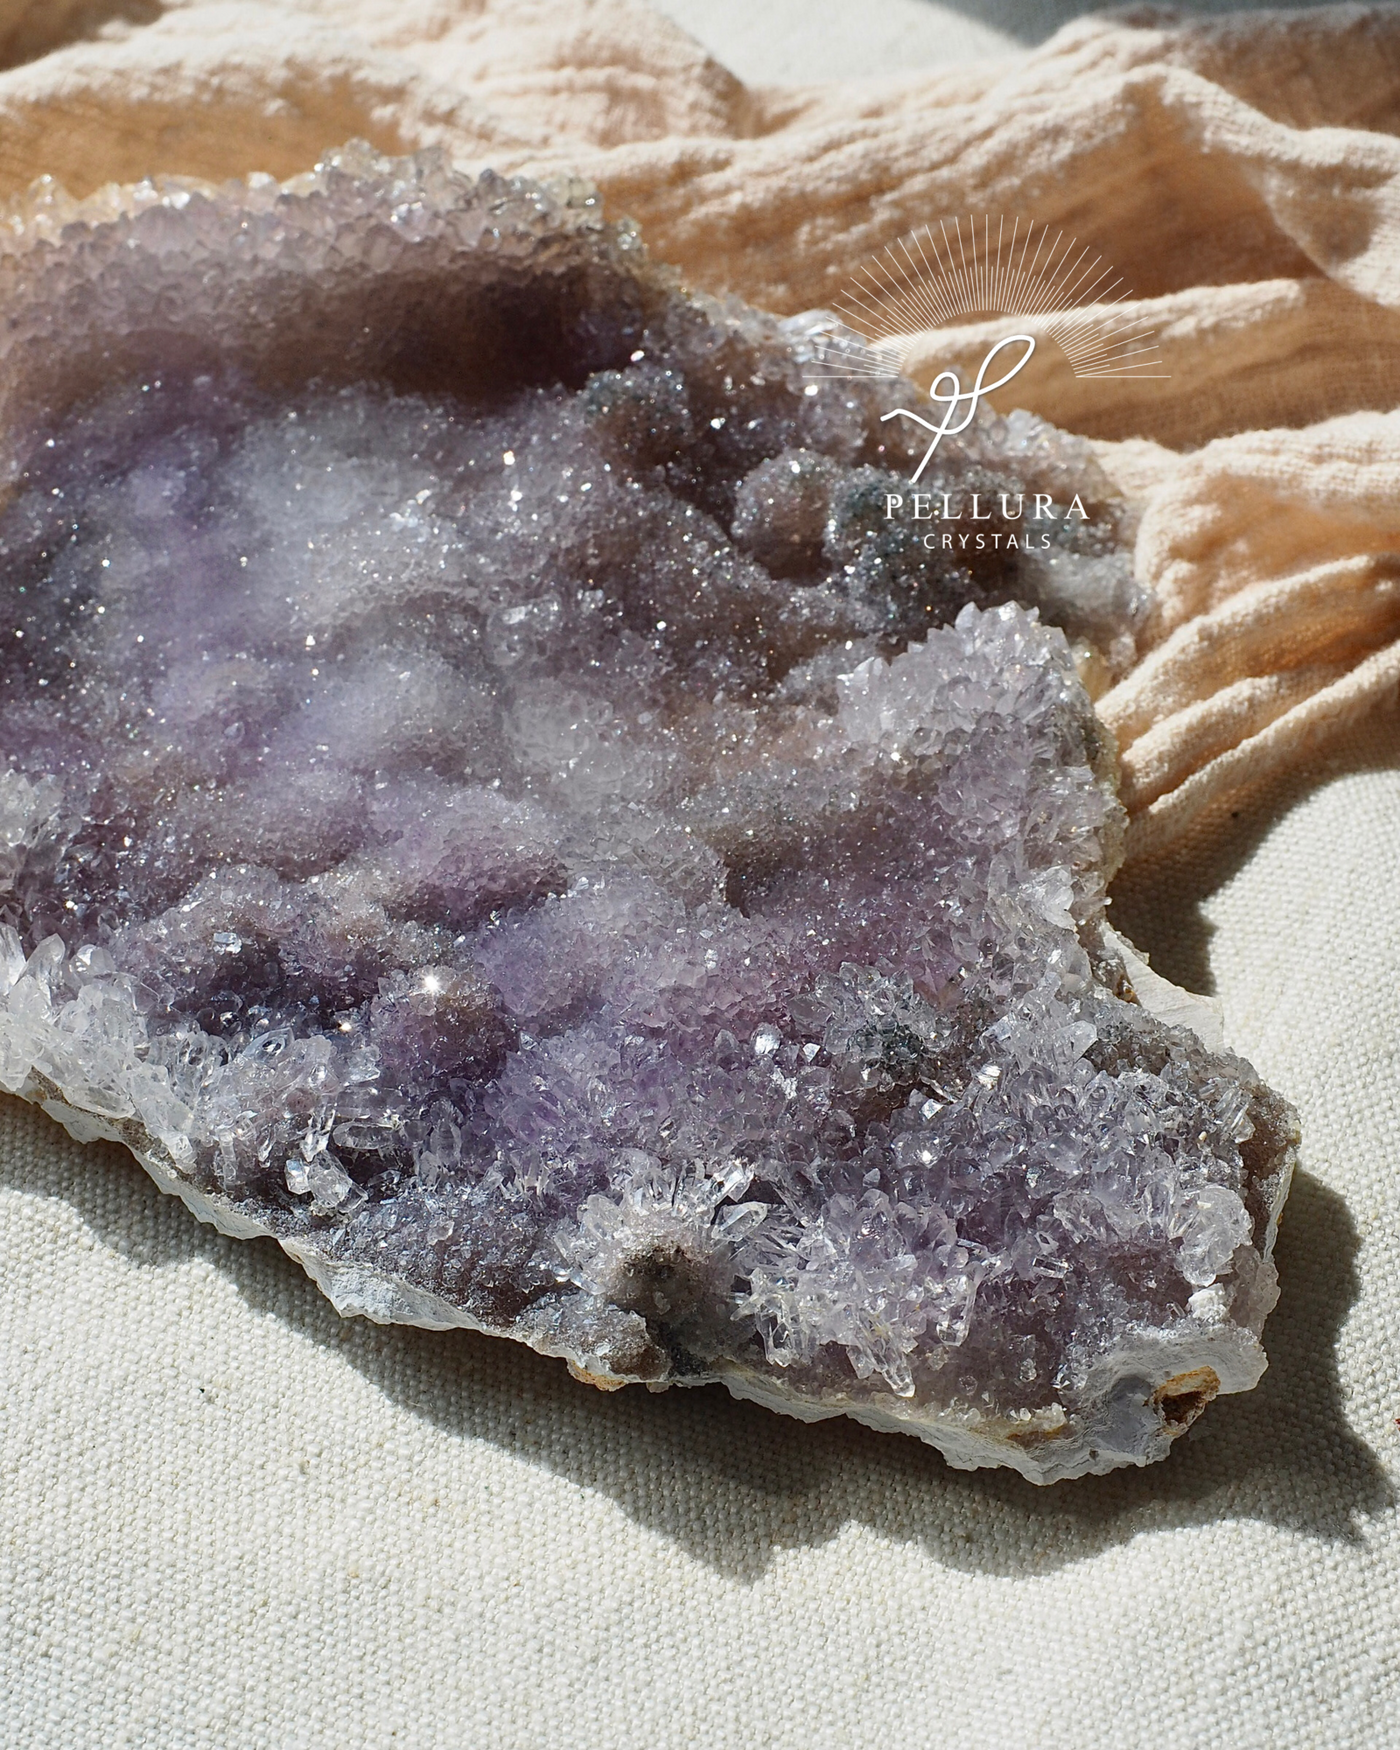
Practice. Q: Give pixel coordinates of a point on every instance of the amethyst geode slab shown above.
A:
(493, 802)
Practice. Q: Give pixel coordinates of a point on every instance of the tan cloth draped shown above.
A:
(1242, 175)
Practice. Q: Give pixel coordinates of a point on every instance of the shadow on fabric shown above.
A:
(732, 1484)
(1158, 903)
(1032, 25)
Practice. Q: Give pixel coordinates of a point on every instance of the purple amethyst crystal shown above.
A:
(498, 801)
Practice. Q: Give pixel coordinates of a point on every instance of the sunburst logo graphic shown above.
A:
(962, 271)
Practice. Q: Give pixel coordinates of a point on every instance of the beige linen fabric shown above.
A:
(230, 1519)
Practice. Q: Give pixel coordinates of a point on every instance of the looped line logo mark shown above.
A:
(970, 270)
(953, 397)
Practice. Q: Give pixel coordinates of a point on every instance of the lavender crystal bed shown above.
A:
(497, 801)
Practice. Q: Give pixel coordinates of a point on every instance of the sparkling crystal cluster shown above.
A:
(493, 800)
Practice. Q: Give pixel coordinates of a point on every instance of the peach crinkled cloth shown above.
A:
(1242, 174)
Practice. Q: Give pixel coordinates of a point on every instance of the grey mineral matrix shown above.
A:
(492, 800)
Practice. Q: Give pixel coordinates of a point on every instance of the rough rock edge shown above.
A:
(1135, 1408)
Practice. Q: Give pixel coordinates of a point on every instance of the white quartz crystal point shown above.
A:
(495, 798)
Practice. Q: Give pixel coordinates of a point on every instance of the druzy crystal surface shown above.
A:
(494, 801)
